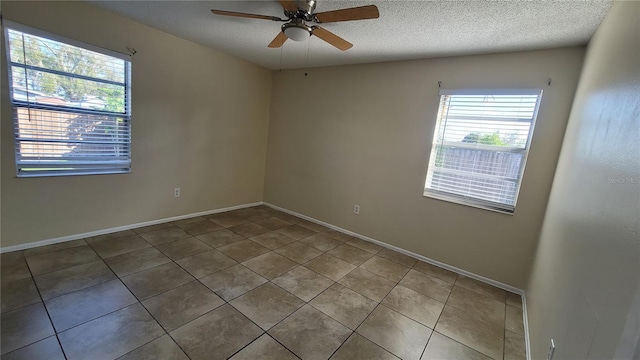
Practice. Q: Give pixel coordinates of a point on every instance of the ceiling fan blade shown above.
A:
(356, 13)
(332, 38)
(289, 5)
(251, 16)
(279, 40)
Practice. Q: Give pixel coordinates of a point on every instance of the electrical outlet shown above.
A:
(176, 192)
(552, 349)
(356, 209)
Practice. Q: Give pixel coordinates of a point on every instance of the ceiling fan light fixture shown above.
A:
(300, 12)
(297, 31)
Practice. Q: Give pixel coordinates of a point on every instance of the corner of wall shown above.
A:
(586, 270)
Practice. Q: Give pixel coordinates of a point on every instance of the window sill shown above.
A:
(43, 174)
(466, 202)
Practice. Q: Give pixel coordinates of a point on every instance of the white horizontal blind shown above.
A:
(480, 146)
(71, 107)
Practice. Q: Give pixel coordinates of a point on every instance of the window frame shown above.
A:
(468, 200)
(30, 105)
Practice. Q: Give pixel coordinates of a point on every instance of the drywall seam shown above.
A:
(120, 228)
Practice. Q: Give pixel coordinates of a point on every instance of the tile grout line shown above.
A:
(55, 333)
(504, 330)
(151, 315)
(111, 312)
(163, 329)
(441, 311)
(271, 282)
(139, 271)
(138, 301)
(337, 282)
(101, 259)
(305, 302)
(149, 342)
(341, 344)
(64, 268)
(245, 316)
(372, 311)
(293, 312)
(427, 344)
(268, 281)
(473, 316)
(434, 324)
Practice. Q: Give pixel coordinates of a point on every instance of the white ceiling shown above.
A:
(405, 30)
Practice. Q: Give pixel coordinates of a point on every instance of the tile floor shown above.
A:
(247, 284)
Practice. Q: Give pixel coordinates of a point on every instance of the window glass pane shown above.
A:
(499, 120)
(40, 87)
(480, 148)
(54, 55)
(71, 108)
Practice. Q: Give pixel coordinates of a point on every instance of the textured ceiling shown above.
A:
(405, 30)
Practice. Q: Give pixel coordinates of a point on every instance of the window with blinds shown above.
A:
(480, 146)
(71, 105)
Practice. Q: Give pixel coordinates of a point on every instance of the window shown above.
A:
(71, 105)
(480, 146)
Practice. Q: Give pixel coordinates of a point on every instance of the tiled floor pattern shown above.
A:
(247, 284)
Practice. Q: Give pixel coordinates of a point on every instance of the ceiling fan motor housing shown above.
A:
(305, 9)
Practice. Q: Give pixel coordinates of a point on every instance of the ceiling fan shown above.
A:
(300, 12)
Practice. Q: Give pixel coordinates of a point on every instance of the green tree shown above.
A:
(113, 96)
(38, 52)
(72, 61)
(486, 139)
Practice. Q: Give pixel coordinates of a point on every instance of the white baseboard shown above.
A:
(525, 321)
(360, 236)
(406, 252)
(120, 228)
(430, 261)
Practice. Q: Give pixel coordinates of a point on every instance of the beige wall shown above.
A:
(587, 268)
(361, 135)
(200, 121)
